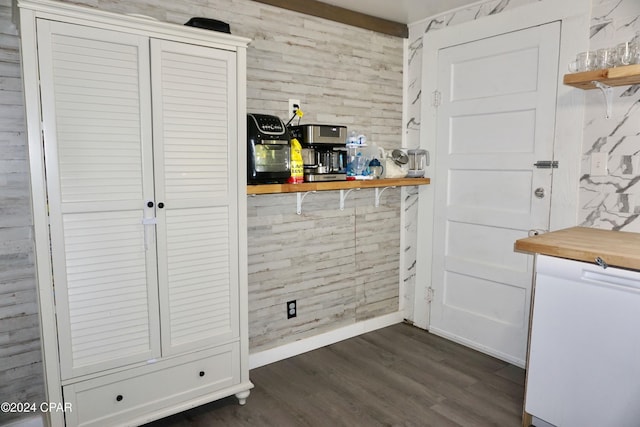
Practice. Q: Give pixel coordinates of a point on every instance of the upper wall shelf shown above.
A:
(604, 80)
(334, 185)
(618, 76)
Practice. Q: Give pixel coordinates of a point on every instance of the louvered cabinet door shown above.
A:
(97, 135)
(195, 151)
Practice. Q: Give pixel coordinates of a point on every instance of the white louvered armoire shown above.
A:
(136, 135)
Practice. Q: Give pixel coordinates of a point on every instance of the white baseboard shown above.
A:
(304, 345)
(36, 421)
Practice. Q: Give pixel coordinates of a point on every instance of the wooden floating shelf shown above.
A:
(335, 185)
(618, 76)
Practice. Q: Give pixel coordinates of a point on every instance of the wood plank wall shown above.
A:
(21, 377)
(340, 14)
(343, 75)
(341, 266)
(325, 259)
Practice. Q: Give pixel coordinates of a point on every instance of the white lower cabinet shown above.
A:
(583, 360)
(137, 153)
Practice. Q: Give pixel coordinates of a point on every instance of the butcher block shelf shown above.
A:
(615, 248)
(618, 76)
(335, 185)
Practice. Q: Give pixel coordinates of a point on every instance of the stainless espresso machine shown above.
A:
(324, 152)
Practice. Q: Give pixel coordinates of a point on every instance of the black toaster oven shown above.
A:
(268, 150)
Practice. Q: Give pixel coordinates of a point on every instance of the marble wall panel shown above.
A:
(410, 230)
(612, 201)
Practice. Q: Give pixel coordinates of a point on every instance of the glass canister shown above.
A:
(357, 160)
(418, 162)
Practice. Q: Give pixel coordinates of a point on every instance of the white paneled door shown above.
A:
(496, 119)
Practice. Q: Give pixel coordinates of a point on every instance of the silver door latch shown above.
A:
(601, 262)
(546, 164)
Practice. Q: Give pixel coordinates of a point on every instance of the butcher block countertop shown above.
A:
(616, 248)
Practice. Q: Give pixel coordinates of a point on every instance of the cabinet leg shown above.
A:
(242, 396)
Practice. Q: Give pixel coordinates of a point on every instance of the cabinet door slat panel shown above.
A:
(179, 89)
(98, 59)
(207, 267)
(126, 293)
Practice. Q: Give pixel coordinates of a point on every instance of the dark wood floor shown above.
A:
(397, 376)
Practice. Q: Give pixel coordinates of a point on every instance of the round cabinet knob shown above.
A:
(119, 398)
(160, 205)
(202, 373)
(149, 204)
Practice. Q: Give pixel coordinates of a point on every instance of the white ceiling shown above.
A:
(404, 11)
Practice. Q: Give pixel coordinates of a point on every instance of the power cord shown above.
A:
(297, 112)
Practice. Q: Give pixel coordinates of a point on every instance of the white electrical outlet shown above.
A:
(599, 164)
(293, 102)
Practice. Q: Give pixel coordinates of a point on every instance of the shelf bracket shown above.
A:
(301, 197)
(607, 92)
(343, 196)
(379, 193)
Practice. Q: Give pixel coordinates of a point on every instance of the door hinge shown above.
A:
(429, 294)
(437, 98)
(546, 164)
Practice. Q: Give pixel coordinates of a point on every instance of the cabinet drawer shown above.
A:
(137, 393)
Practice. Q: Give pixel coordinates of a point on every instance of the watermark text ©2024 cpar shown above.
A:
(30, 407)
